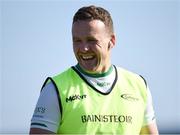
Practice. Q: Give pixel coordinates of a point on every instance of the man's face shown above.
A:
(92, 45)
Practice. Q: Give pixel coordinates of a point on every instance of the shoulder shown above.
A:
(129, 74)
(64, 74)
(65, 79)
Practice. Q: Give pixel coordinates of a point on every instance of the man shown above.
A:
(94, 96)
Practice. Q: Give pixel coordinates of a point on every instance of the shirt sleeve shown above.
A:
(149, 115)
(47, 112)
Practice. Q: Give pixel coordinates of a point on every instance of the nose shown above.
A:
(85, 47)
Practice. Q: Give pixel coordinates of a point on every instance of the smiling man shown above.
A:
(94, 96)
(92, 43)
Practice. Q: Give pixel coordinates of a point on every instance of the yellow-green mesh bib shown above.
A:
(87, 111)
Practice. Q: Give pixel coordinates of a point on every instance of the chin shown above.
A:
(88, 69)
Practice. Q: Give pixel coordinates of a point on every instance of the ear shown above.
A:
(112, 41)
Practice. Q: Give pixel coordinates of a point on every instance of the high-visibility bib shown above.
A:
(88, 111)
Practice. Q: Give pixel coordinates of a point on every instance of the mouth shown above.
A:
(88, 61)
(87, 57)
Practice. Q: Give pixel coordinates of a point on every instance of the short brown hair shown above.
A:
(95, 13)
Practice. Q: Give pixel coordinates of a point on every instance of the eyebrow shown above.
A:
(75, 38)
(88, 37)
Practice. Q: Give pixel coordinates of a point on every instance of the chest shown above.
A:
(87, 110)
(122, 100)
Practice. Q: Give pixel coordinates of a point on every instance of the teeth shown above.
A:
(87, 57)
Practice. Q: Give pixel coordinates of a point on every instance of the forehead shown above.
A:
(88, 27)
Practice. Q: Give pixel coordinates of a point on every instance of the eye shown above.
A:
(92, 40)
(76, 40)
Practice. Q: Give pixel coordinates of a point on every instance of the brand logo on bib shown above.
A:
(75, 97)
(103, 84)
(129, 97)
(107, 118)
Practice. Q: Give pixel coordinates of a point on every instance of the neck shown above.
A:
(102, 73)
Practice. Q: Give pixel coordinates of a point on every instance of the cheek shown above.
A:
(75, 49)
(101, 49)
